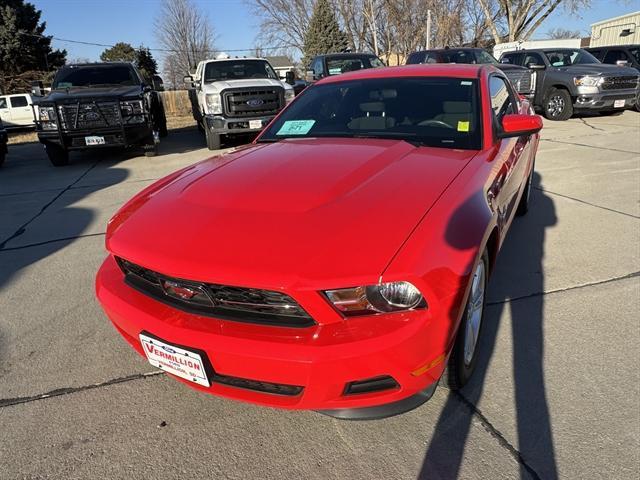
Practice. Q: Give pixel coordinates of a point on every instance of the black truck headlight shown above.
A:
(381, 298)
(47, 117)
(132, 111)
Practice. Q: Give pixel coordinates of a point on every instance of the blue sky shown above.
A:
(131, 21)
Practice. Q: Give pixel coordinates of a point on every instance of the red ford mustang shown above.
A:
(340, 262)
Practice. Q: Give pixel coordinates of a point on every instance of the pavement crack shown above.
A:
(24, 226)
(7, 402)
(608, 149)
(591, 126)
(567, 289)
(46, 242)
(587, 203)
(497, 434)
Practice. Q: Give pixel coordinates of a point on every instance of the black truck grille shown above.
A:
(230, 303)
(620, 83)
(521, 80)
(83, 116)
(252, 102)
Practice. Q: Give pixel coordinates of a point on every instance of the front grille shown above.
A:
(220, 301)
(89, 115)
(521, 80)
(620, 83)
(252, 102)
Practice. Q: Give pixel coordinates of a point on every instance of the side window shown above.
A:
(416, 57)
(501, 101)
(532, 58)
(512, 58)
(317, 68)
(613, 56)
(596, 53)
(18, 101)
(3, 103)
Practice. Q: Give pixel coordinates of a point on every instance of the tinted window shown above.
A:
(317, 67)
(501, 102)
(3, 103)
(338, 65)
(636, 53)
(532, 58)
(458, 56)
(596, 53)
(564, 58)
(18, 102)
(416, 57)
(511, 58)
(440, 112)
(485, 58)
(238, 70)
(613, 56)
(92, 76)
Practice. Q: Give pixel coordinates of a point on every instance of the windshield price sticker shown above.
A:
(296, 127)
(463, 126)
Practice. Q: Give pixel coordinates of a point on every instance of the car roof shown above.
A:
(449, 49)
(97, 64)
(632, 45)
(346, 54)
(542, 50)
(431, 70)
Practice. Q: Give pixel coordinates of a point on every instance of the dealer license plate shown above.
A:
(175, 360)
(618, 103)
(94, 140)
(255, 123)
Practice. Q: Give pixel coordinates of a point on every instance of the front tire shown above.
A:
(557, 105)
(464, 355)
(58, 156)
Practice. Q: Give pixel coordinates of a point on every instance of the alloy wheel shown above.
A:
(474, 313)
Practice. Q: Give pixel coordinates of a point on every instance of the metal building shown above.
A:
(623, 30)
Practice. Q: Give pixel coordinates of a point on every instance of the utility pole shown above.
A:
(428, 29)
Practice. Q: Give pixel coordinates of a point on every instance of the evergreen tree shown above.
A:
(146, 63)
(120, 52)
(324, 34)
(23, 45)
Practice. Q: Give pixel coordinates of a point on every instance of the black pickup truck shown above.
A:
(96, 105)
(3, 143)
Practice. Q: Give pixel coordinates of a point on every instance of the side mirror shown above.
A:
(505, 61)
(309, 76)
(157, 83)
(517, 125)
(535, 66)
(622, 63)
(37, 88)
(290, 77)
(188, 79)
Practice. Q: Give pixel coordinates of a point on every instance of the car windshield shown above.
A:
(92, 76)
(564, 58)
(458, 56)
(438, 112)
(486, 58)
(338, 65)
(238, 70)
(636, 53)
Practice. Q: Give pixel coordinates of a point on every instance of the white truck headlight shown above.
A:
(289, 95)
(587, 81)
(381, 298)
(214, 103)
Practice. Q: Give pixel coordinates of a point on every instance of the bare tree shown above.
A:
(187, 35)
(518, 19)
(283, 23)
(559, 33)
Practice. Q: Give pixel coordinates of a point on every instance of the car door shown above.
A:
(5, 112)
(21, 111)
(512, 153)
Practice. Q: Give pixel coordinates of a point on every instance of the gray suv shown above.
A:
(571, 79)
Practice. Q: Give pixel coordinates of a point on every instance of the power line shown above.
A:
(167, 50)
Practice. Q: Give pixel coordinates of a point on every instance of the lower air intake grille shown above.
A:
(229, 303)
(257, 385)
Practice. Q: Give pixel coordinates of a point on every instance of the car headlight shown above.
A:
(214, 103)
(47, 118)
(131, 107)
(381, 298)
(587, 81)
(289, 95)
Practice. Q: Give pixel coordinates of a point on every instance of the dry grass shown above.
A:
(26, 136)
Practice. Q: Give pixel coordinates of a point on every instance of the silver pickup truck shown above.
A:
(571, 79)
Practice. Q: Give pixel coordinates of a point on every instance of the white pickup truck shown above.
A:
(233, 96)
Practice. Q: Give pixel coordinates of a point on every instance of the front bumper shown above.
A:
(321, 359)
(590, 98)
(223, 125)
(120, 136)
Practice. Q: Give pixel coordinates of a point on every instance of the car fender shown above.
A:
(440, 253)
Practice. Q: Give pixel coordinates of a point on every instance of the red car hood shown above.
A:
(306, 213)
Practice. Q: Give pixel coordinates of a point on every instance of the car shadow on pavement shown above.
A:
(518, 269)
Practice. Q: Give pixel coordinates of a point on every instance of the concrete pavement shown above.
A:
(556, 394)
